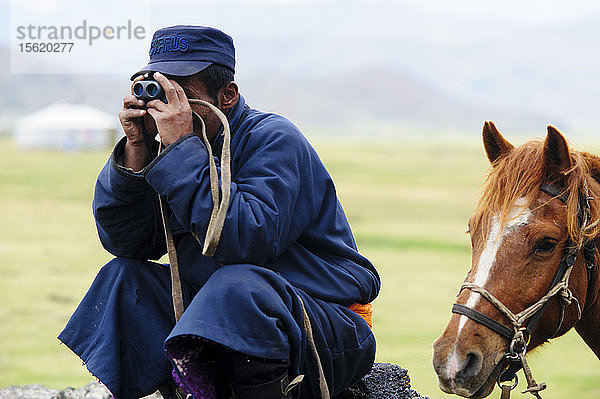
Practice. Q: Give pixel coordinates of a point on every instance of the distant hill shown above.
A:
(365, 99)
(371, 97)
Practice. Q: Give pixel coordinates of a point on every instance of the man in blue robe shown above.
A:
(286, 251)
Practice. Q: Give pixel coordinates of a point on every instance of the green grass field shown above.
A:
(408, 205)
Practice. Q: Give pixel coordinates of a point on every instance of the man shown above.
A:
(286, 255)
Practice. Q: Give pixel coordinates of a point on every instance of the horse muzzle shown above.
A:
(463, 370)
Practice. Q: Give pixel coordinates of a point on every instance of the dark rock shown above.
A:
(385, 381)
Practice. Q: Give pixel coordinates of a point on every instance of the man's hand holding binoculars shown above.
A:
(172, 119)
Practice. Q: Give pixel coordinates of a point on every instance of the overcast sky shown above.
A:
(453, 23)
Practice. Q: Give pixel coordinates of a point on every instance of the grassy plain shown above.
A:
(408, 204)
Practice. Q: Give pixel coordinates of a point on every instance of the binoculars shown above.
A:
(149, 90)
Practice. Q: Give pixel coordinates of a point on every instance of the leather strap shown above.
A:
(313, 348)
(220, 205)
(505, 392)
(554, 192)
(483, 319)
(174, 268)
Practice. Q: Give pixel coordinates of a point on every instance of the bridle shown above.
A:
(524, 322)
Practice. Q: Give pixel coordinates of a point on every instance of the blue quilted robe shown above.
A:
(285, 237)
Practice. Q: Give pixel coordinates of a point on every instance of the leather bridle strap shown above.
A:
(565, 266)
(570, 254)
(483, 319)
(554, 192)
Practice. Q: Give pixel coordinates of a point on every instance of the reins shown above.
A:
(215, 228)
(220, 200)
(524, 322)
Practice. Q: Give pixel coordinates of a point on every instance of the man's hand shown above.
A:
(135, 156)
(174, 119)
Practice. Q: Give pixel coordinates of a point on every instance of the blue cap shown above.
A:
(184, 50)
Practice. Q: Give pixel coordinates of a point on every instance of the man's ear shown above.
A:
(228, 96)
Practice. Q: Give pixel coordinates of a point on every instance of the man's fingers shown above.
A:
(180, 93)
(131, 113)
(158, 105)
(153, 112)
(131, 101)
(167, 86)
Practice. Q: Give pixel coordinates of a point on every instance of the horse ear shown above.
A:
(495, 145)
(556, 152)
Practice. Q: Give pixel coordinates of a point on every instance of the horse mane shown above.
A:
(520, 174)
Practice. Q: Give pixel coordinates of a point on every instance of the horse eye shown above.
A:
(545, 245)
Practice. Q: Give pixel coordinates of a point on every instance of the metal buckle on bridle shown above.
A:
(516, 355)
(516, 350)
(518, 344)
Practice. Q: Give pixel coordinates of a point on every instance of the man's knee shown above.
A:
(126, 270)
(246, 308)
(137, 283)
(125, 267)
(249, 288)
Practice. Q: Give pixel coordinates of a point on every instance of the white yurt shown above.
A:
(65, 126)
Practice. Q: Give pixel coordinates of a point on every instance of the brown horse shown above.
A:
(534, 272)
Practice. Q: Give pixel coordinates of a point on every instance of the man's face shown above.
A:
(193, 88)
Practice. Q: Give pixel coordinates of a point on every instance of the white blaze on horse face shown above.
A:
(518, 216)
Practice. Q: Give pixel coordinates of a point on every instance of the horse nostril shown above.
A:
(472, 364)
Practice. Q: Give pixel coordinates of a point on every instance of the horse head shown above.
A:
(537, 209)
